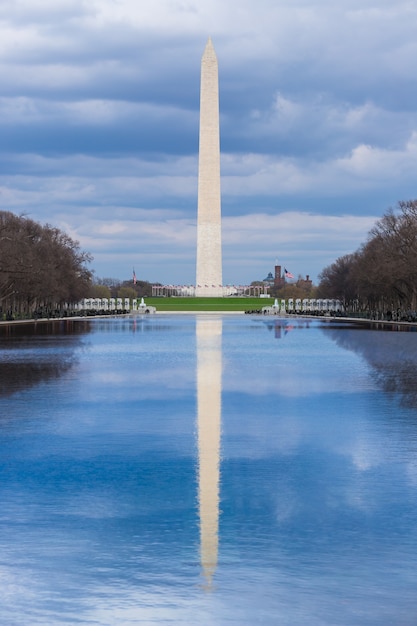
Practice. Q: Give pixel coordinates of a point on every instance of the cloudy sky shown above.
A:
(99, 108)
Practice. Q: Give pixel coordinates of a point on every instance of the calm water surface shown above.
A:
(208, 470)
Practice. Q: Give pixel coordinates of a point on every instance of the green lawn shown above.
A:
(208, 304)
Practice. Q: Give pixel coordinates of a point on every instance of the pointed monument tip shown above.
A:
(209, 44)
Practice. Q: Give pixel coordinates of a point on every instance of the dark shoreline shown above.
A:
(360, 321)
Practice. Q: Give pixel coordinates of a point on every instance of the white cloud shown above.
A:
(292, 225)
(364, 167)
(369, 163)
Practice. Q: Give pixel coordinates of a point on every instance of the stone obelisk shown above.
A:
(209, 240)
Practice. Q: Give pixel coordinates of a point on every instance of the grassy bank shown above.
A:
(208, 304)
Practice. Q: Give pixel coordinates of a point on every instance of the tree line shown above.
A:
(380, 278)
(41, 268)
(115, 288)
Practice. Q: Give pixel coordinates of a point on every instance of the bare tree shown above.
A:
(338, 280)
(41, 267)
(382, 275)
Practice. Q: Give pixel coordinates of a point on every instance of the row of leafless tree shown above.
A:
(41, 268)
(115, 288)
(381, 276)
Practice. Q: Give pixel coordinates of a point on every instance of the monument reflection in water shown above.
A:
(209, 372)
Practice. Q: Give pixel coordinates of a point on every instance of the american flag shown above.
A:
(288, 274)
(134, 276)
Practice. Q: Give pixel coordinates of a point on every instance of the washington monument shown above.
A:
(209, 237)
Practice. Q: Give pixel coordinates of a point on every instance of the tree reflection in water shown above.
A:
(33, 353)
(390, 351)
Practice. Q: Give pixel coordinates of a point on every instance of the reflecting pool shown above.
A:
(181, 469)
